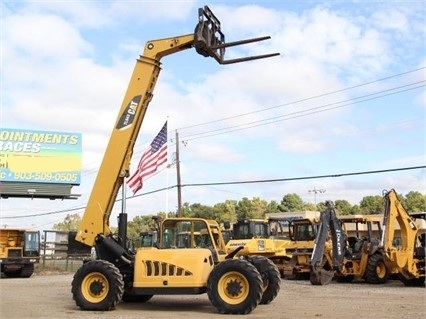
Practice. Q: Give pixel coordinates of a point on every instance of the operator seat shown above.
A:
(352, 241)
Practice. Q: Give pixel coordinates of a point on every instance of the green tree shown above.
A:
(371, 205)
(202, 211)
(343, 207)
(415, 202)
(272, 207)
(186, 209)
(247, 208)
(258, 207)
(226, 211)
(243, 208)
(321, 207)
(139, 224)
(310, 207)
(71, 222)
(291, 203)
(355, 210)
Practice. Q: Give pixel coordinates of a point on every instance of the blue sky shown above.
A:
(345, 95)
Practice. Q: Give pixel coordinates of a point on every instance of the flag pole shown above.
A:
(179, 191)
(167, 191)
(167, 183)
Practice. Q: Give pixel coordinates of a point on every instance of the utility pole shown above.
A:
(315, 191)
(179, 187)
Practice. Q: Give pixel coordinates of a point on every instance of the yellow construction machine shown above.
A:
(233, 285)
(287, 241)
(371, 247)
(19, 252)
(302, 232)
(403, 241)
(254, 237)
(336, 254)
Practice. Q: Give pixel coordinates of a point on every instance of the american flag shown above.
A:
(152, 158)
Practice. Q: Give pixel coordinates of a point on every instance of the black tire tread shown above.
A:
(371, 275)
(27, 271)
(250, 273)
(273, 278)
(116, 285)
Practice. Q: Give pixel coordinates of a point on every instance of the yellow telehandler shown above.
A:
(233, 285)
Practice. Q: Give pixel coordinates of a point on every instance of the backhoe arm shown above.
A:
(329, 224)
(395, 215)
(209, 41)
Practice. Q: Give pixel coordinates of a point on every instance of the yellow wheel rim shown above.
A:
(233, 288)
(95, 287)
(381, 270)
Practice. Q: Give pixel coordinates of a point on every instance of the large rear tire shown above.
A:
(377, 272)
(271, 279)
(234, 287)
(24, 271)
(97, 285)
(27, 271)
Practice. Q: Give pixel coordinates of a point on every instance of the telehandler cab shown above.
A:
(233, 285)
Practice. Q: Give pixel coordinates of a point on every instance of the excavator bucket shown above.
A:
(209, 41)
(321, 277)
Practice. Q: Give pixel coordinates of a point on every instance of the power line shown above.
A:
(308, 177)
(310, 111)
(44, 214)
(306, 112)
(304, 99)
(286, 179)
(301, 113)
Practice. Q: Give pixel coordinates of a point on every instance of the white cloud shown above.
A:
(215, 153)
(42, 38)
(66, 66)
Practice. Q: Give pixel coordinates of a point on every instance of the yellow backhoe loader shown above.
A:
(404, 253)
(346, 257)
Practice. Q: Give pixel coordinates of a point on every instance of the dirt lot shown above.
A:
(49, 296)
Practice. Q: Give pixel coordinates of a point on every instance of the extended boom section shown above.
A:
(209, 41)
(190, 256)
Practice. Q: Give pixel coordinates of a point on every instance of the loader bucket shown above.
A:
(321, 277)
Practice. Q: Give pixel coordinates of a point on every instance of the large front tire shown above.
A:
(234, 287)
(97, 285)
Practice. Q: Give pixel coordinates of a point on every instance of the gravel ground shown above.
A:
(49, 296)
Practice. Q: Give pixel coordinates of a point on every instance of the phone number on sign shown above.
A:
(47, 177)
